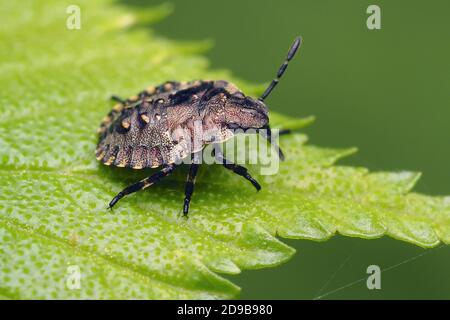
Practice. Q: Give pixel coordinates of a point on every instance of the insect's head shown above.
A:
(242, 112)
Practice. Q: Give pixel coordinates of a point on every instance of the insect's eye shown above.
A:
(239, 95)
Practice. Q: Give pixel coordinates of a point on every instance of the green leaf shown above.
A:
(53, 194)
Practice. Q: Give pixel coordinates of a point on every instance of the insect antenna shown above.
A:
(291, 53)
(282, 69)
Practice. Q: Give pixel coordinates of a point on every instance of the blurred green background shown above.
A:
(385, 91)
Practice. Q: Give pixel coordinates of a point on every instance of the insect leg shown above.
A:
(190, 182)
(267, 134)
(189, 189)
(240, 170)
(143, 183)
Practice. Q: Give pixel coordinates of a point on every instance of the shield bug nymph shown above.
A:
(138, 131)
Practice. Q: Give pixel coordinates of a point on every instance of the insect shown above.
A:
(141, 131)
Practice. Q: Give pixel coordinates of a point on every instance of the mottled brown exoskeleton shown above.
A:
(142, 131)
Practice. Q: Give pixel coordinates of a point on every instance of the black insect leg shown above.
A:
(266, 132)
(240, 170)
(143, 183)
(189, 189)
